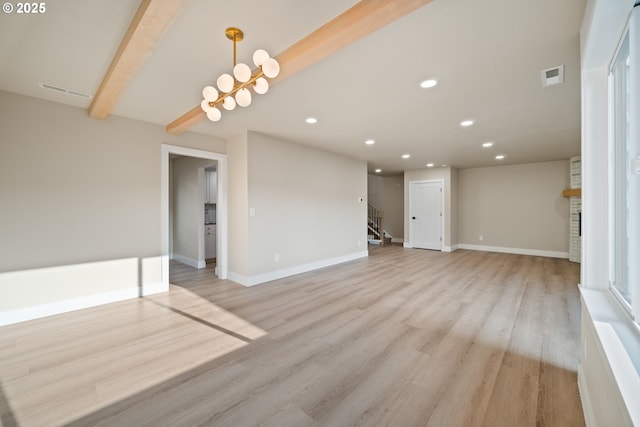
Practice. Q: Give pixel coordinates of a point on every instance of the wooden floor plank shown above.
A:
(404, 337)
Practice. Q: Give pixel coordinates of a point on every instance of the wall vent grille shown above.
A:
(553, 76)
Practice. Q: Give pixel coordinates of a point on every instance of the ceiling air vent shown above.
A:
(553, 76)
(52, 87)
(80, 94)
(63, 90)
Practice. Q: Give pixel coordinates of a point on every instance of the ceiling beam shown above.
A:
(362, 19)
(149, 23)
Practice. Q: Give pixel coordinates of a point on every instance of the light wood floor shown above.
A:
(404, 338)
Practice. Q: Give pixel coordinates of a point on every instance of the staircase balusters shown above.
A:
(375, 219)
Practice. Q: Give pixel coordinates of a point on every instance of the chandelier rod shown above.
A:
(236, 35)
(234, 50)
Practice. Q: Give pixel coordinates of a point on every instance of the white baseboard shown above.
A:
(518, 251)
(189, 261)
(397, 240)
(44, 310)
(292, 271)
(407, 245)
(587, 409)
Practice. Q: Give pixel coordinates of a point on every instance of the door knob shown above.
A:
(413, 217)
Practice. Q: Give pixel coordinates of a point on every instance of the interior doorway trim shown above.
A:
(221, 208)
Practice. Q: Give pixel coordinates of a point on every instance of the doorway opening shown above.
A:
(195, 215)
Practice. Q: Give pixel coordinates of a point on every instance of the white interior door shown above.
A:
(425, 214)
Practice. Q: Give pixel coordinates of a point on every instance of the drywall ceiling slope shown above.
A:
(487, 56)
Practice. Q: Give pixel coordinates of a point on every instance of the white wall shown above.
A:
(454, 206)
(80, 205)
(306, 205)
(387, 194)
(238, 206)
(517, 207)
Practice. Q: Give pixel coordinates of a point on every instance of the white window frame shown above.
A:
(632, 199)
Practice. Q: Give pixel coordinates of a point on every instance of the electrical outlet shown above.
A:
(276, 257)
(481, 238)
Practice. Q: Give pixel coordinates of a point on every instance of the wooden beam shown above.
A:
(359, 21)
(186, 121)
(150, 21)
(572, 192)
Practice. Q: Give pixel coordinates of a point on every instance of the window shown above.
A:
(620, 172)
(624, 194)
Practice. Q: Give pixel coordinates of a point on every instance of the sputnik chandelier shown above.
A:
(235, 89)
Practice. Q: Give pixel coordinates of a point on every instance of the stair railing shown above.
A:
(375, 220)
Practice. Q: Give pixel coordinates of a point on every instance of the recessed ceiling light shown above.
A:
(500, 157)
(443, 165)
(369, 142)
(429, 165)
(487, 144)
(311, 120)
(428, 83)
(466, 123)
(378, 170)
(406, 156)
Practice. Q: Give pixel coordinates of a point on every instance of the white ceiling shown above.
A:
(486, 54)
